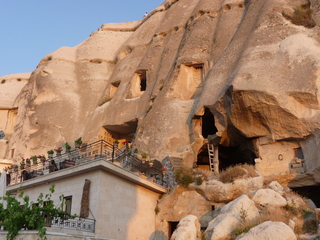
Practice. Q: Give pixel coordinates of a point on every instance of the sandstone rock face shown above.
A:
(242, 62)
(269, 197)
(269, 230)
(10, 87)
(231, 216)
(188, 228)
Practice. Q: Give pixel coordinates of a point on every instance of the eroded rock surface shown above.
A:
(244, 62)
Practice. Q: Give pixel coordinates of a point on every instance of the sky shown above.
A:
(31, 29)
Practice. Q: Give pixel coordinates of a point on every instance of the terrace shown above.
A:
(87, 153)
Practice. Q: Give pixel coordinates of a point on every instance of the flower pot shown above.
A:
(34, 163)
(143, 160)
(43, 159)
(58, 154)
(28, 165)
(50, 155)
(15, 170)
(150, 164)
(164, 172)
(21, 167)
(68, 150)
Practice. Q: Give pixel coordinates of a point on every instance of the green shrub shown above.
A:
(310, 226)
(186, 180)
(301, 16)
(198, 180)
(157, 210)
(184, 176)
(20, 211)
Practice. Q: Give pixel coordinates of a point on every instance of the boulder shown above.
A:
(188, 229)
(269, 230)
(217, 191)
(269, 197)
(274, 185)
(311, 204)
(232, 214)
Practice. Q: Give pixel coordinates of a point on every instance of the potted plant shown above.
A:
(78, 142)
(50, 153)
(135, 152)
(127, 144)
(144, 157)
(22, 164)
(34, 160)
(68, 147)
(42, 158)
(28, 162)
(15, 167)
(151, 163)
(58, 151)
(164, 170)
(115, 143)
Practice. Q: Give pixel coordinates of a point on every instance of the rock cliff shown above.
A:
(245, 71)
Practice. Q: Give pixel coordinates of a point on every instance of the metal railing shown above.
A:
(79, 224)
(87, 153)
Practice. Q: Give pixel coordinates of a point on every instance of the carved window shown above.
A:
(298, 153)
(138, 84)
(189, 82)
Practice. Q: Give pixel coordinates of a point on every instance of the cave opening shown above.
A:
(172, 226)
(232, 148)
(208, 123)
(125, 131)
(143, 79)
(311, 192)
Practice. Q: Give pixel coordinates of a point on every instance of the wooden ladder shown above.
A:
(211, 156)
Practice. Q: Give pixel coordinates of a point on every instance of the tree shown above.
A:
(20, 213)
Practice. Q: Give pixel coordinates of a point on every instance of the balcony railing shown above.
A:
(79, 224)
(87, 153)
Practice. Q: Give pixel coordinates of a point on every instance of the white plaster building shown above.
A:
(121, 203)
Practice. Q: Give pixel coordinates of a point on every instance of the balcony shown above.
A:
(78, 224)
(97, 151)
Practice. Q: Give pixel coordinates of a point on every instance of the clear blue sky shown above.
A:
(31, 29)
